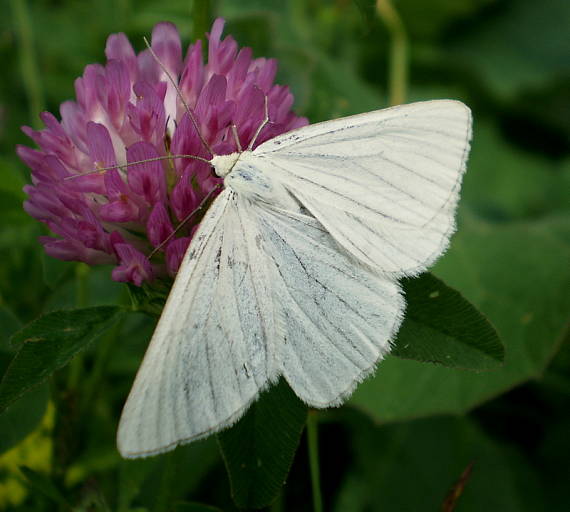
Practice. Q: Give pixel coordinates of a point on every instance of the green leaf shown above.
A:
(442, 327)
(504, 182)
(518, 276)
(259, 450)
(22, 417)
(524, 45)
(9, 324)
(413, 466)
(49, 343)
(39, 482)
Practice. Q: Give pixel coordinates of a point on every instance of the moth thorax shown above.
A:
(223, 164)
(250, 182)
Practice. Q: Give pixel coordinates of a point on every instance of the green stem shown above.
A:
(123, 11)
(313, 445)
(28, 60)
(81, 298)
(398, 60)
(82, 284)
(163, 498)
(202, 16)
(103, 354)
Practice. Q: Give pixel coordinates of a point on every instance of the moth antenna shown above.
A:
(236, 137)
(118, 166)
(263, 123)
(184, 221)
(179, 93)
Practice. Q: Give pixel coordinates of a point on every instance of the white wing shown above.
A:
(263, 291)
(384, 184)
(211, 352)
(337, 317)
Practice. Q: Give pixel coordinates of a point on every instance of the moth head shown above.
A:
(223, 164)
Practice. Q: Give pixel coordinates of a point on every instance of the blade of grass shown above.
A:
(398, 60)
(28, 60)
(313, 445)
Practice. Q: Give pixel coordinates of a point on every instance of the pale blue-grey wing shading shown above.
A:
(209, 356)
(337, 316)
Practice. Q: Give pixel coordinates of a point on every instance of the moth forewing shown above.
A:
(384, 184)
(208, 357)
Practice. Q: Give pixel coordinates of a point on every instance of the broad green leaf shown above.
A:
(518, 276)
(49, 343)
(22, 417)
(9, 324)
(440, 326)
(504, 182)
(259, 449)
(413, 466)
(557, 377)
(523, 46)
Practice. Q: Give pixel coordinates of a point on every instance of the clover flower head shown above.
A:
(128, 120)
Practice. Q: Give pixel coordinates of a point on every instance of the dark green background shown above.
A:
(412, 430)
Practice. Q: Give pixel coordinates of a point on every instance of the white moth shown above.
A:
(294, 269)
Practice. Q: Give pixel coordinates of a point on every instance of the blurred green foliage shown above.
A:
(411, 430)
